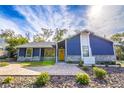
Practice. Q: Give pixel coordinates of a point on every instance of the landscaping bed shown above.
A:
(114, 79)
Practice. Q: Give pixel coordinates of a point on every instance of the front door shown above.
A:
(61, 54)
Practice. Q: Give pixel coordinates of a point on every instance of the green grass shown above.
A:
(2, 64)
(35, 64)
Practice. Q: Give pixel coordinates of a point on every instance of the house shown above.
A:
(3, 45)
(84, 46)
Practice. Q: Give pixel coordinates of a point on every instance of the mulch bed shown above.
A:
(114, 79)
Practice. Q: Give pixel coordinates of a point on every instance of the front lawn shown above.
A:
(34, 64)
(2, 64)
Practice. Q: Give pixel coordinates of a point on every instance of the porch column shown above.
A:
(56, 52)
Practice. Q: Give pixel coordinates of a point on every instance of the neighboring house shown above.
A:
(3, 45)
(84, 46)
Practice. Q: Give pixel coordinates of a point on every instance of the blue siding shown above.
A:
(73, 46)
(101, 46)
(36, 51)
(22, 52)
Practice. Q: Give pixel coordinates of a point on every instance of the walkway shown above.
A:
(57, 69)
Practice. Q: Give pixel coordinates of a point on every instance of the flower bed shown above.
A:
(114, 79)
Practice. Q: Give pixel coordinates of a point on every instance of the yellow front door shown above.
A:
(61, 54)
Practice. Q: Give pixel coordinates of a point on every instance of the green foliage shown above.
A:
(119, 49)
(13, 40)
(80, 63)
(4, 64)
(85, 68)
(42, 79)
(59, 33)
(107, 63)
(93, 65)
(35, 64)
(82, 78)
(99, 72)
(8, 80)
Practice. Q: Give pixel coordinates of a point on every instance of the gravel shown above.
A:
(114, 79)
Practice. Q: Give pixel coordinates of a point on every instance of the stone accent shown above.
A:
(73, 58)
(105, 58)
(28, 59)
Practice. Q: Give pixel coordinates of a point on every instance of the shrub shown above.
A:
(8, 80)
(81, 63)
(93, 65)
(69, 62)
(99, 72)
(42, 79)
(85, 68)
(82, 78)
(3, 64)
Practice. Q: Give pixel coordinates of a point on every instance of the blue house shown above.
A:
(84, 46)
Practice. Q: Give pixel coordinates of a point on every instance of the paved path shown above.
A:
(57, 69)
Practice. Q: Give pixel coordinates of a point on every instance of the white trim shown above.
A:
(18, 51)
(81, 46)
(56, 52)
(40, 53)
(66, 50)
(114, 51)
(90, 51)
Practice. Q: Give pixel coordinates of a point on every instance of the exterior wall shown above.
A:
(72, 51)
(28, 58)
(105, 58)
(102, 49)
(101, 46)
(76, 58)
(73, 46)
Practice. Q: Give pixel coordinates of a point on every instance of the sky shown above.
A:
(102, 20)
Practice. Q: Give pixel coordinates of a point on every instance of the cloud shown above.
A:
(46, 16)
(105, 20)
(9, 24)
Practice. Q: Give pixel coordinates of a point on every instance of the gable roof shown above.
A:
(86, 31)
(37, 45)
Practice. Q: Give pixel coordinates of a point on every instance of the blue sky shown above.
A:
(99, 19)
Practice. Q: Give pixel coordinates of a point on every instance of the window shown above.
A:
(85, 51)
(29, 52)
(49, 52)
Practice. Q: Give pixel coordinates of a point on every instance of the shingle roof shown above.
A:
(37, 45)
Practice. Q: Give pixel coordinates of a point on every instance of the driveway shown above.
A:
(57, 69)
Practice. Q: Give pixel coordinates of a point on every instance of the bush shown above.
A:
(42, 79)
(99, 72)
(85, 68)
(81, 63)
(82, 78)
(93, 65)
(8, 80)
(4, 64)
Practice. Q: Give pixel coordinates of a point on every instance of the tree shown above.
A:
(44, 36)
(119, 49)
(13, 40)
(59, 33)
(38, 38)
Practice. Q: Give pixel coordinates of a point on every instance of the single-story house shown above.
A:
(84, 46)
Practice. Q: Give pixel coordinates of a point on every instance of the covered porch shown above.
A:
(37, 51)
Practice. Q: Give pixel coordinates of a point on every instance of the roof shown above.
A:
(37, 45)
(86, 31)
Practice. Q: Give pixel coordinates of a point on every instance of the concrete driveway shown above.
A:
(57, 69)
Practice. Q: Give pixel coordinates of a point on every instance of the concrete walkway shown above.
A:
(57, 69)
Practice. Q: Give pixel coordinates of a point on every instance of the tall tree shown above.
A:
(59, 33)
